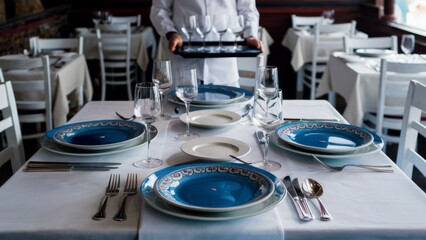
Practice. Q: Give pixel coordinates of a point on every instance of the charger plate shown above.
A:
(211, 118)
(325, 137)
(98, 134)
(375, 146)
(148, 193)
(218, 188)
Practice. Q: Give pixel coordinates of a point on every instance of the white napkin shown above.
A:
(157, 225)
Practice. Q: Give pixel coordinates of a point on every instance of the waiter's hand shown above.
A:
(175, 41)
(254, 42)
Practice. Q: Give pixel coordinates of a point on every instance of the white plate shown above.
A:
(215, 148)
(374, 52)
(212, 118)
(350, 57)
(148, 194)
(374, 147)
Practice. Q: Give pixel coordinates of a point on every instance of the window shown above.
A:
(411, 13)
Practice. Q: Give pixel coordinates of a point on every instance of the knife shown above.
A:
(297, 203)
(260, 136)
(67, 168)
(65, 164)
(302, 198)
(312, 119)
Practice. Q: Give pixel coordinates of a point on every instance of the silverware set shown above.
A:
(299, 193)
(112, 190)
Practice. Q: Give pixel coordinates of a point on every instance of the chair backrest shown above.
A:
(134, 20)
(412, 126)
(301, 21)
(350, 44)
(10, 128)
(328, 38)
(247, 68)
(394, 81)
(40, 45)
(27, 82)
(114, 42)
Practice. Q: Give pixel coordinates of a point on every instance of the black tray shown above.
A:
(211, 51)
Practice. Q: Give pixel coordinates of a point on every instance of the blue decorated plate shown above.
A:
(325, 137)
(148, 193)
(217, 94)
(98, 135)
(217, 188)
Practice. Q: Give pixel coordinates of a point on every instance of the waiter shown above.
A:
(167, 17)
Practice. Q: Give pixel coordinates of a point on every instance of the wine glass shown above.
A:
(407, 43)
(147, 108)
(97, 15)
(221, 25)
(162, 76)
(236, 24)
(267, 110)
(328, 16)
(187, 90)
(204, 27)
(190, 26)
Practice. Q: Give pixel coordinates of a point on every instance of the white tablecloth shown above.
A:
(65, 80)
(357, 83)
(364, 204)
(141, 40)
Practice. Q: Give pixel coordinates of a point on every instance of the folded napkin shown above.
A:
(156, 225)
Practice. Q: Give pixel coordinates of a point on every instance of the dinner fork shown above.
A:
(129, 189)
(111, 190)
(377, 168)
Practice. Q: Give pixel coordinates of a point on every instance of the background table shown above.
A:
(357, 83)
(364, 204)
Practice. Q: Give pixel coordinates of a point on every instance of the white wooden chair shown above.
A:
(40, 45)
(13, 151)
(134, 20)
(350, 44)
(247, 68)
(394, 81)
(24, 82)
(114, 41)
(328, 38)
(412, 126)
(302, 21)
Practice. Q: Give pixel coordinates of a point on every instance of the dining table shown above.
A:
(69, 75)
(60, 205)
(357, 80)
(143, 45)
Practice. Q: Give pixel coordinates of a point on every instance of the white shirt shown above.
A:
(167, 16)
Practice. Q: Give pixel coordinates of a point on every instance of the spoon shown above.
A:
(312, 189)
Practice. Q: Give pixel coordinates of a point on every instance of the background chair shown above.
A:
(350, 44)
(13, 149)
(114, 41)
(303, 21)
(412, 126)
(25, 82)
(328, 38)
(40, 45)
(134, 20)
(394, 81)
(247, 68)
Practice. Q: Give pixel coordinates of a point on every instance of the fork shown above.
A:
(129, 189)
(111, 191)
(377, 168)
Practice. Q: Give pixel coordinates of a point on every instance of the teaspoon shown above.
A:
(313, 189)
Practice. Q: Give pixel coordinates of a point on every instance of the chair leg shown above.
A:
(332, 98)
(299, 88)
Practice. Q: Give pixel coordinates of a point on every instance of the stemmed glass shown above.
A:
(187, 90)
(147, 108)
(407, 43)
(328, 16)
(236, 24)
(190, 26)
(97, 15)
(162, 76)
(221, 25)
(267, 110)
(204, 27)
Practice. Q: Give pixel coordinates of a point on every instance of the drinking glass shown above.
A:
(221, 25)
(97, 15)
(328, 16)
(407, 43)
(190, 26)
(236, 24)
(187, 90)
(162, 76)
(204, 27)
(147, 108)
(267, 110)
